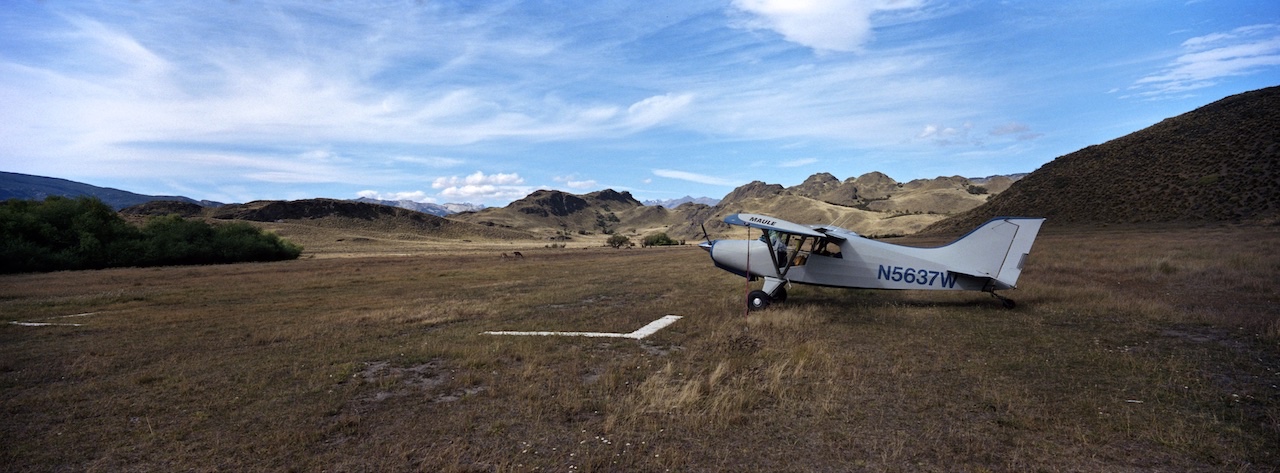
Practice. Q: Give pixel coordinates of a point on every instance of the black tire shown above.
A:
(780, 295)
(758, 300)
(1008, 303)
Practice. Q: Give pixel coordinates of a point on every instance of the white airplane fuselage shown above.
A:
(861, 263)
(989, 258)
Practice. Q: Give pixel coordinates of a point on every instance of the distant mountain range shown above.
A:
(673, 203)
(28, 187)
(439, 210)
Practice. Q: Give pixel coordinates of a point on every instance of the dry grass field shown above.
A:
(1132, 349)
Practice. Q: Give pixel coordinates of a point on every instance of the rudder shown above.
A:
(996, 249)
(1016, 258)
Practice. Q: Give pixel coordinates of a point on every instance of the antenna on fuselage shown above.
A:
(838, 220)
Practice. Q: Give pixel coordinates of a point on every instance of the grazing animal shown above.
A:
(517, 254)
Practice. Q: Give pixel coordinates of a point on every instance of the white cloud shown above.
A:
(824, 25)
(415, 196)
(694, 177)
(482, 186)
(485, 192)
(1209, 58)
(429, 161)
(795, 163)
(478, 178)
(654, 110)
(942, 135)
(1010, 129)
(1019, 131)
(574, 182)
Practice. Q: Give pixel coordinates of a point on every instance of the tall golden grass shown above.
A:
(1131, 349)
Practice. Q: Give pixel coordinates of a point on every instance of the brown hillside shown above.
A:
(819, 184)
(164, 207)
(1220, 162)
(752, 190)
(348, 214)
(799, 209)
(549, 212)
(873, 204)
(870, 204)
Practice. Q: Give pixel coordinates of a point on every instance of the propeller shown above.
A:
(706, 245)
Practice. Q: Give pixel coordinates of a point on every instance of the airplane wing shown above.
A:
(835, 233)
(764, 222)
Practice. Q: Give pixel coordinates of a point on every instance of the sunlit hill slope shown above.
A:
(1218, 163)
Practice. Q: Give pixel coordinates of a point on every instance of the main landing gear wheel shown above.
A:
(780, 295)
(758, 300)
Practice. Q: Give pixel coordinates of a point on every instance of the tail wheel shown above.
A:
(1004, 301)
(758, 300)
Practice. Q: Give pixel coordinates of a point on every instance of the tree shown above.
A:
(84, 233)
(658, 239)
(618, 241)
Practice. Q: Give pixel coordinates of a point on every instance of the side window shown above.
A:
(826, 247)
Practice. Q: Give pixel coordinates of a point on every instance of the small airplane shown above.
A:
(988, 259)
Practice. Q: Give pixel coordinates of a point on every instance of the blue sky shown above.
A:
(485, 102)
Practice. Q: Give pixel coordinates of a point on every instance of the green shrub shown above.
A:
(658, 239)
(84, 233)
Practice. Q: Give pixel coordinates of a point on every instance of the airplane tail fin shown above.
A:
(997, 249)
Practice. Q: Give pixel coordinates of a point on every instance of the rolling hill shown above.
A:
(378, 219)
(555, 213)
(873, 204)
(28, 187)
(1218, 163)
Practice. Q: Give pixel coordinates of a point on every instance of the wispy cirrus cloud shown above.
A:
(276, 98)
(694, 177)
(1210, 58)
(1020, 131)
(576, 183)
(654, 110)
(796, 163)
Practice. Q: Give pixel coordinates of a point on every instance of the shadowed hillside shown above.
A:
(349, 214)
(1220, 162)
(28, 187)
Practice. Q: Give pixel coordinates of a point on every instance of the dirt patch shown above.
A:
(394, 382)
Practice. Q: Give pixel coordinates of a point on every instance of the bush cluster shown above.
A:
(659, 239)
(618, 241)
(84, 233)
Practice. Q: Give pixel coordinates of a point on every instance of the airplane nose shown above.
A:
(706, 245)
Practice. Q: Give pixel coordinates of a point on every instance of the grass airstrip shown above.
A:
(1131, 349)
